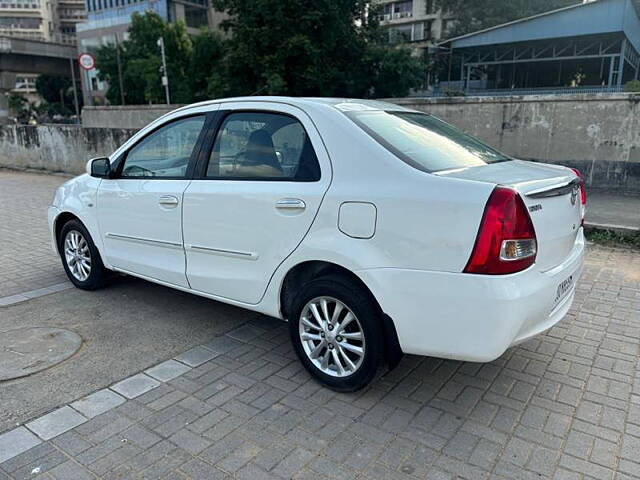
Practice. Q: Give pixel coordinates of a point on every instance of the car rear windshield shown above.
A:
(423, 141)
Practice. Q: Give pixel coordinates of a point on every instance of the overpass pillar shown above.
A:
(7, 82)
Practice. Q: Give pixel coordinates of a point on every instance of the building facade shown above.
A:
(108, 21)
(591, 47)
(43, 20)
(417, 23)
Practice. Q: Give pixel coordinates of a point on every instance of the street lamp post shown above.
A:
(165, 74)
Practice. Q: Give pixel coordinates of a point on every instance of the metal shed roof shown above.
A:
(591, 18)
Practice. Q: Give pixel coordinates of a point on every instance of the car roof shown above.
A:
(341, 104)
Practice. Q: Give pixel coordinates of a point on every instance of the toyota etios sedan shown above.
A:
(373, 229)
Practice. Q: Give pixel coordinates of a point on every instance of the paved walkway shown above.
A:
(563, 406)
(26, 259)
(609, 210)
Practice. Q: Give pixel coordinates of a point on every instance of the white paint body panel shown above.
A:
(424, 231)
(138, 233)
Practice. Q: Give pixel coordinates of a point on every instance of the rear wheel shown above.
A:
(80, 257)
(335, 327)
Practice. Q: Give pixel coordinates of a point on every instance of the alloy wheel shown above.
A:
(332, 337)
(77, 255)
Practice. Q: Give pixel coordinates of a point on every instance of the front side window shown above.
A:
(166, 152)
(263, 146)
(423, 141)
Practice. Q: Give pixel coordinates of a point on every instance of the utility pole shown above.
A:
(165, 76)
(119, 70)
(75, 92)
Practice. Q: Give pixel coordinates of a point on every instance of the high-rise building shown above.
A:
(45, 20)
(30, 26)
(108, 21)
(417, 23)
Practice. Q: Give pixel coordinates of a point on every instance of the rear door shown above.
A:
(261, 183)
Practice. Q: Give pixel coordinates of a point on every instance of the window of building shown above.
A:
(427, 29)
(403, 7)
(20, 22)
(412, 32)
(395, 10)
(446, 26)
(195, 17)
(25, 83)
(430, 7)
(15, 4)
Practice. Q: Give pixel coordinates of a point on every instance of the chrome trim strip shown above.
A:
(223, 252)
(147, 241)
(554, 190)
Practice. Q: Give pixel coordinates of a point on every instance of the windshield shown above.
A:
(423, 141)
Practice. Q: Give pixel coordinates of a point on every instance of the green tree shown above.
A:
(57, 94)
(140, 62)
(325, 47)
(19, 106)
(478, 14)
(204, 66)
(53, 88)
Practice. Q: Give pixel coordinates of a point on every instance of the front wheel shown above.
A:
(335, 327)
(80, 257)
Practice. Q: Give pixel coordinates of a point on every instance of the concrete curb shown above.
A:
(621, 229)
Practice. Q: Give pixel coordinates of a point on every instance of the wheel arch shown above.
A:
(64, 217)
(306, 271)
(60, 221)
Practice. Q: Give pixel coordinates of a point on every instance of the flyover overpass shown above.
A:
(21, 55)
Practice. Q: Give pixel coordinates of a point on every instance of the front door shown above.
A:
(140, 211)
(256, 199)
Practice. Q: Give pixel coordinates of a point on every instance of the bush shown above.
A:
(632, 86)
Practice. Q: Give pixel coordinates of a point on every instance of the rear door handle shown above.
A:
(290, 204)
(168, 201)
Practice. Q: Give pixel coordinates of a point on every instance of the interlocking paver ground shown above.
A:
(25, 198)
(565, 405)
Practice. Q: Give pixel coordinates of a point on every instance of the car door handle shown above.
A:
(168, 201)
(291, 204)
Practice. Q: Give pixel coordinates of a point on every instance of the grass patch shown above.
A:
(612, 238)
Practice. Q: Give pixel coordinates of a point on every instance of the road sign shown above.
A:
(87, 61)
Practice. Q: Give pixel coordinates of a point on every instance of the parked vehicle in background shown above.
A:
(373, 229)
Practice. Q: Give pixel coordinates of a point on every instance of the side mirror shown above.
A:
(99, 167)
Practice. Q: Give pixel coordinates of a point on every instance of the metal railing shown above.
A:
(444, 91)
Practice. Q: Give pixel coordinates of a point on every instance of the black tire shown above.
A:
(367, 312)
(98, 273)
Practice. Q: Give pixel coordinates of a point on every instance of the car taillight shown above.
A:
(583, 195)
(506, 241)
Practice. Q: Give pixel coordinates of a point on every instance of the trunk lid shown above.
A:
(552, 196)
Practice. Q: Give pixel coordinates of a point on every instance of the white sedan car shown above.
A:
(373, 229)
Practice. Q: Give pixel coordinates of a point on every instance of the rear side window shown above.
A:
(263, 146)
(425, 142)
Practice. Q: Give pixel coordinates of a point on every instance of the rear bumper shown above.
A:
(473, 317)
